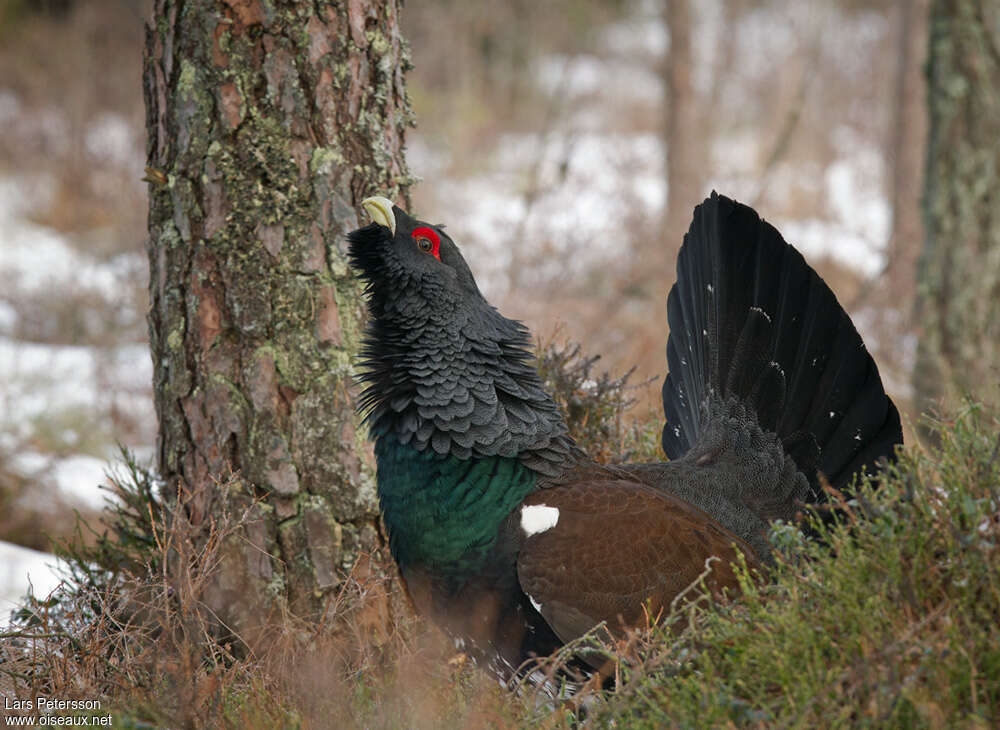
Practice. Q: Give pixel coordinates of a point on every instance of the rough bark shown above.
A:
(268, 122)
(959, 273)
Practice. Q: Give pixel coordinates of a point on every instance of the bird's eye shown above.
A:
(428, 241)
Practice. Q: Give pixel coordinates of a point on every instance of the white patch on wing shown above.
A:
(536, 604)
(537, 518)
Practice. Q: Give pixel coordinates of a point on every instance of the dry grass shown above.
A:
(888, 620)
(133, 629)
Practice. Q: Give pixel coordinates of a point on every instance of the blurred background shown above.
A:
(564, 143)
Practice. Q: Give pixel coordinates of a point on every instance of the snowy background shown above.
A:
(539, 202)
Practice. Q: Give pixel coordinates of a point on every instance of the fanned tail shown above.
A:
(749, 319)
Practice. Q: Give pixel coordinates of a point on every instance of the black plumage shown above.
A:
(503, 529)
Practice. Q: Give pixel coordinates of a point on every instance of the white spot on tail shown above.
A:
(536, 678)
(536, 518)
(832, 414)
(536, 604)
(710, 288)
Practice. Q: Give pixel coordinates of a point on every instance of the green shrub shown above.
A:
(888, 620)
(894, 624)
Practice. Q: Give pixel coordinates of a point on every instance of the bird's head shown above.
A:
(445, 370)
(409, 263)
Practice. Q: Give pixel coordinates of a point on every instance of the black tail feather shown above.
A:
(750, 319)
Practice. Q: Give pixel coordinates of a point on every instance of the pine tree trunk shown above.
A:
(267, 124)
(906, 145)
(959, 275)
(684, 135)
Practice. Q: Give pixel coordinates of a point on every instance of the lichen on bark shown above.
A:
(959, 274)
(268, 122)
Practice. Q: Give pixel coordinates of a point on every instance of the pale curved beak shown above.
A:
(380, 209)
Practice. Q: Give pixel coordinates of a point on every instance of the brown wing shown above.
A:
(615, 546)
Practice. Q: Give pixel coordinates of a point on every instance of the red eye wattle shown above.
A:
(428, 241)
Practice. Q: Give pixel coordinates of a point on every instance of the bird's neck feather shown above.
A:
(468, 389)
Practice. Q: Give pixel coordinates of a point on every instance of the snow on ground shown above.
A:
(21, 569)
(37, 378)
(579, 182)
(816, 238)
(70, 395)
(33, 256)
(76, 478)
(589, 184)
(568, 191)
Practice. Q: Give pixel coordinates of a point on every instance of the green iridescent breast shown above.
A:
(443, 513)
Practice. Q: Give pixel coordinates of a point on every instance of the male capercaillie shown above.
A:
(504, 531)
